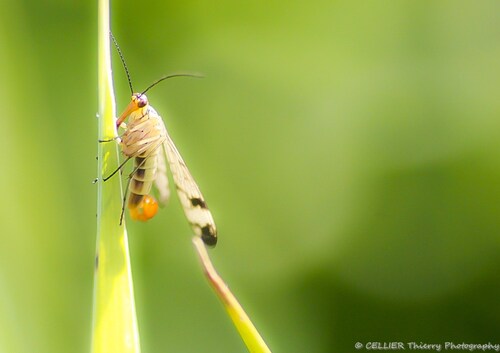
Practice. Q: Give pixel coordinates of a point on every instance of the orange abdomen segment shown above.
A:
(145, 209)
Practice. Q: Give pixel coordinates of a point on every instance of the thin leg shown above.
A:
(109, 140)
(136, 168)
(125, 194)
(117, 169)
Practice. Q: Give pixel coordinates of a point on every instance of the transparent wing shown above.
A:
(195, 207)
(161, 181)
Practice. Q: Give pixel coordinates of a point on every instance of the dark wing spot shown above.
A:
(195, 201)
(209, 235)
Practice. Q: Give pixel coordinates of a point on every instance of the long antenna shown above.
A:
(123, 62)
(170, 76)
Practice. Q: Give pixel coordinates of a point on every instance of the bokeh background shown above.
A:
(350, 153)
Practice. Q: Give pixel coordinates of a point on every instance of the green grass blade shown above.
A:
(253, 340)
(115, 327)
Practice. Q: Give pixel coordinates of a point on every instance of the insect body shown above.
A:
(144, 139)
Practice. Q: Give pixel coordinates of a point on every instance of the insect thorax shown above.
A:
(144, 135)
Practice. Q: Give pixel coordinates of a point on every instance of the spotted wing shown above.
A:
(195, 207)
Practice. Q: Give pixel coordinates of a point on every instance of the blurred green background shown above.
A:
(350, 153)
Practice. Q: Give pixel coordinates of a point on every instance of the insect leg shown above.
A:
(144, 159)
(125, 162)
(125, 194)
(117, 169)
(109, 140)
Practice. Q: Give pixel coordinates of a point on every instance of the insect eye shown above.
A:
(142, 101)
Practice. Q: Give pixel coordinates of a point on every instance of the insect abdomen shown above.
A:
(141, 205)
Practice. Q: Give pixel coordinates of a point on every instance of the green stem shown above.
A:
(252, 338)
(114, 319)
